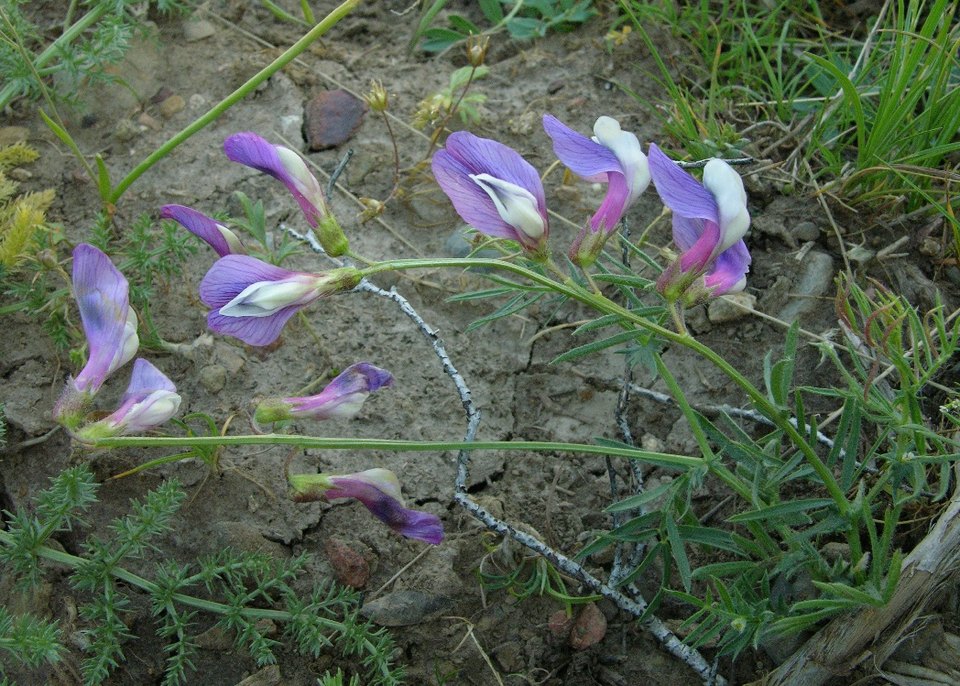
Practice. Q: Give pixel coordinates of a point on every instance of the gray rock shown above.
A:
(405, 608)
(814, 279)
(805, 231)
(197, 29)
(730, 308)
(213, 378)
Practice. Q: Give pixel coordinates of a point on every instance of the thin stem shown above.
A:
(214, 113)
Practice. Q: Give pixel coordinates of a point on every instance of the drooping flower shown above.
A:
(110, 325)
(150, 400)
(709, 223)
(379, 491)
(612, 156)
(289, 168)
(341, 399)
(252, 300)
(493, 189)
(215, 234)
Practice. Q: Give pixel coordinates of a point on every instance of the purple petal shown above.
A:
(344, 396)
(409, 523)
(582, 155)
(485, 156)
(730, 268)
(679, 191)
(145, 379)
(703, 251)
(231, 274)
(102, 296)
(614, 204)
(469, 200)
(254, 151)
(258, 331)
(203, 227)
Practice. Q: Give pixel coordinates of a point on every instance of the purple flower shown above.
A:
(493, 189)
(282, 164)
(150, 400)
(215, 234)
(709, 222)
(379, 491)
(341, 399)
(252, 300)
(612, 156)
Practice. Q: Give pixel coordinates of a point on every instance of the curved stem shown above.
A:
(214, 113)
(604, 305)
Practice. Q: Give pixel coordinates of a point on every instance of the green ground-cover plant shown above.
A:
(522, 19)
(875, 114)
(237, 589)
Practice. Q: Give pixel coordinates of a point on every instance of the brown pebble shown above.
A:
(332, 118)
(171, 106)
(162, 94)
(149, 121)
(349, 566)
(588, 628)
(559, 625)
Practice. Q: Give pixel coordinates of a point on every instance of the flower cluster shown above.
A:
(500, 194)
(110, 325)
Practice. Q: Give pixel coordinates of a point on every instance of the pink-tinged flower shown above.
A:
(109, 323)
(709, 223)
(289, 168)
(215, 234)
(151, 399)
(379, 491)
(612, 156)
(341, 399)
(493, 189)
(252, 300)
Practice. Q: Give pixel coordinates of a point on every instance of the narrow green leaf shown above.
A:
(781, 510)
(677, 551)
(596, 346)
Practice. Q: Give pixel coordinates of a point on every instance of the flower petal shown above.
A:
(469, 200)
(231, 274)
(409, 523)
(582, 155)
(679, 191)
(729, 272)
(344, 396)
(145, 378)
(726, 186)
(216, 235)
(485, 156)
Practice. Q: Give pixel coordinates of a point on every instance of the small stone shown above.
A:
(331, 118)
(13, 134)
(349, 566)
(405, 608)
(806, 231)
(930, 247)
(163, 92)
(171, 106)
(731, 307)
(148, 121)
(196, 101)
(197, 29)
(214, 638)
(126, 130)
(814, 280)
(213, 378)
(588, 628)
(268, 676)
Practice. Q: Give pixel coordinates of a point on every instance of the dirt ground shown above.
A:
(506, 365)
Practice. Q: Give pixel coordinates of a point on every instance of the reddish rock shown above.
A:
(588, 628)
(331, 118)
(559, 625)
(349, 566)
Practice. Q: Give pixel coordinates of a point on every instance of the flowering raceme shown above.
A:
(289, 168)
(494, 190)
(379, 491)
(253, 300)
(150, 400)
(110, 326)
(212, 232)
(341, 399)
(709, 222)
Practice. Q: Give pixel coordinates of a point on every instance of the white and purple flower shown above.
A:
(493, 189)
(612, 156)
(150, 400)
(252, 300)
(709, 223)
(110, 325)
(341, 399)
(215, 234)
(379, 491)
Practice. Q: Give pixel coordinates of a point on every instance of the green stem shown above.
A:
(328, 22)
(604, 305)
(667, 459)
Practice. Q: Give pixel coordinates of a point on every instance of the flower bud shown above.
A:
(377, 99)
(477, 49)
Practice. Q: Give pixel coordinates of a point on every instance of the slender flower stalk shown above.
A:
(252, 300)
(110, 325)
(342, 398)
(212, 232)
(150, 400)
(289, 168)
(709, 222)
(494, 190)
(379, 491)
